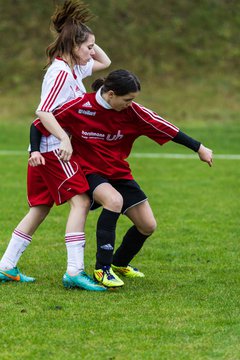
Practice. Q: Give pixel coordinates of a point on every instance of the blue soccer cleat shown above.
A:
(14, 275)
(82, 281)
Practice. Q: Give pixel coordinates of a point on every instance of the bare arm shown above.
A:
(101, 60)
(50, 123)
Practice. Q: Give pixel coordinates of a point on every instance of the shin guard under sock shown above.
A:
(106, 228)
(131, 245)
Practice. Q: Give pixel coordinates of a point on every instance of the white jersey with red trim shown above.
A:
(60, 85)
(103, 137)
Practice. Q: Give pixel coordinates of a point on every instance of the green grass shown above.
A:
(187, 306)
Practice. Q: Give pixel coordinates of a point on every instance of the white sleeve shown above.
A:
(56, 90)
(86, 70)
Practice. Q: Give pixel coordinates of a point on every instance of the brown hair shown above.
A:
(69, 24)
(121, 81)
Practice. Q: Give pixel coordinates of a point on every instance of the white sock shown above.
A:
(17, 245)
(75, 244)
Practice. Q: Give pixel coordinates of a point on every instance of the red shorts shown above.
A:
(56, 181)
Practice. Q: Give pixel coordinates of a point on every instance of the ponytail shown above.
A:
(73, 11)
(69, 25)
(97, 84)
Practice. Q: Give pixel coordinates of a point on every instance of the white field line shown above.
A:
(13, 152)
(183, 156)
(142, 155)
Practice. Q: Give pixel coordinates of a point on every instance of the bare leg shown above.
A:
(33, 219)
(79, 207)
(142, 217)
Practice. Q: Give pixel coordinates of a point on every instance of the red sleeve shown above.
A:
(154, 126)
(65, 115)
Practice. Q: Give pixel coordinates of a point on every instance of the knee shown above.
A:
(114, 202)
(149, 227)
(80, 201)
(85, 201)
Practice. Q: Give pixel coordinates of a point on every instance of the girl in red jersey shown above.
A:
(71, 57)
(103, 126)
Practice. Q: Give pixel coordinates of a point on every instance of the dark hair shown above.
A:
(69, 25)
(122, 82)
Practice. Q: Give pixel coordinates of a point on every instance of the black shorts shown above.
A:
(129, 189)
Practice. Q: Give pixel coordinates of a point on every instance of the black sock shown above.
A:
(131, 245)
(106, 227)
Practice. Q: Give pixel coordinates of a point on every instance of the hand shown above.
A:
(36, 159)
(205, 155)
(65, 149)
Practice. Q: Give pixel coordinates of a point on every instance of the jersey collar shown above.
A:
(100, 100)
(72, 70)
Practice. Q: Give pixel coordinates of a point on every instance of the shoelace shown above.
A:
(133, 268)
(106, 269)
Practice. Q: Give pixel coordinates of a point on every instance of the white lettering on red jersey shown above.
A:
(104, 138)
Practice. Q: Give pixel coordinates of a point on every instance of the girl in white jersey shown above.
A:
(72, 57)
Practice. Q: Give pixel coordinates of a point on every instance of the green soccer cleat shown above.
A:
(14, 275)
(128, 271)
(107, 277)
(82, 281)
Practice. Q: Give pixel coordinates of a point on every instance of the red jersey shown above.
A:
(103, 137)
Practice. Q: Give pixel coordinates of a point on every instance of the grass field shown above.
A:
(187, 306)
